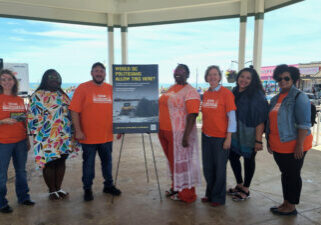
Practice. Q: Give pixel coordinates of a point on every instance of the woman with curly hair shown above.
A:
(251, 113)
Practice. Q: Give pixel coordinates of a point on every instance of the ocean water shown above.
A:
(33, 86)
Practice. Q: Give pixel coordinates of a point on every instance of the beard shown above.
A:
(100, 81)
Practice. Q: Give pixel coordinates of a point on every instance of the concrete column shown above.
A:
(258, 35)
(242, 38)
(124, 39)
(111, 55)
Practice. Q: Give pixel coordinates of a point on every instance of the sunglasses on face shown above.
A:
(53, 77)
(283, 78)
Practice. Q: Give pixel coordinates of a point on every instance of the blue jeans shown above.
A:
(88, 166)
(19, 152)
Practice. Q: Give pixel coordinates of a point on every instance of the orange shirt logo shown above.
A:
(12, 106)
(101, 98)
(210, 103)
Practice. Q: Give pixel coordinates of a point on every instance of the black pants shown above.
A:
(249, 168)
(290, 175)
(214, 168)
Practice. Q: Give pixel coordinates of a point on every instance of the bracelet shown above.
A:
(259, 142)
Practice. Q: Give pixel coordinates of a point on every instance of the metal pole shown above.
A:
(318, 128)
(154, 160)
(146, 169)
(117, 169)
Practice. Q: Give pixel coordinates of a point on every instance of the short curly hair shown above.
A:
(293, 71)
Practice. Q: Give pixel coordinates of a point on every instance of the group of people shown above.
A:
(233, 127)
(59, 128)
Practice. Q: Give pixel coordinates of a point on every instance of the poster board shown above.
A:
(135, 99)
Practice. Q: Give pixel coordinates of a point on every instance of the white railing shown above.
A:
(316, 130)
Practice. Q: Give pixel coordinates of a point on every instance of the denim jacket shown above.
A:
(292, 114)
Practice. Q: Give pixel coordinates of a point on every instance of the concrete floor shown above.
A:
(140, 203)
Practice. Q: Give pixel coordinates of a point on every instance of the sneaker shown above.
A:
(112, 190)
(6, 209)
(88, 196)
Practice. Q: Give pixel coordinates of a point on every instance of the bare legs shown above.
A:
(53, 174)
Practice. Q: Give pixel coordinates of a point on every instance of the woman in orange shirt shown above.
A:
(288, 135)
(178, 108)
(218, 109)
(13, 140)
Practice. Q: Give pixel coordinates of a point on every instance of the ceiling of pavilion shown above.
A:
(139, 12)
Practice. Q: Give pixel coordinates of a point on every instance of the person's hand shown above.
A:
(28, 144)
(269, 149)
(119, 136)
(258, 147)
(79, 135)
(298, 151)
(227, 144)
(185, 142)
(9, 121)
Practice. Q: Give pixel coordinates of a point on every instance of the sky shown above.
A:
(291, 35)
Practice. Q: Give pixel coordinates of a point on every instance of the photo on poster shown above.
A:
(135, 98)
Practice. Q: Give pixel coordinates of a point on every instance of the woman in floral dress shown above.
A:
(50, 125)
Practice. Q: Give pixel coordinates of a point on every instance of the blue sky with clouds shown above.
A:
(291, 35)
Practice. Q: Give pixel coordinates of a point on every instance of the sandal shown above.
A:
(175, 197)
(238, 197)
(170, 192)
(205, 199)
(233, 191)
(62, 194)
(54, 196)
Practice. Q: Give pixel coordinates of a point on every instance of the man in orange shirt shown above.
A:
(91, 111)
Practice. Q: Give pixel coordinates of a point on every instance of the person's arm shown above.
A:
(231, 128)
(298, 150)
(76, 122)
(259, 129)
(303, 122)
(190, 120)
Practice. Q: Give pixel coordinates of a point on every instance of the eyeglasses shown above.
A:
(279, 79)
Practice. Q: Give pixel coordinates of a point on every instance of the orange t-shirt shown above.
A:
(192, 106)
(15, 132)
(94, 103)
(274, 138)
(215, 106)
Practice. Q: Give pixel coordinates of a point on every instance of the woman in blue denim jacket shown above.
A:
(288, 135)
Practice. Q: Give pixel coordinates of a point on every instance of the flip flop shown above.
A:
(233, 191)
(53, 196)
(175, 197)
(237, 197)
(170, 192)
(63, 194)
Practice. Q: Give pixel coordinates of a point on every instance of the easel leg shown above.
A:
(146, 169)
(117, 169)
(156, 172)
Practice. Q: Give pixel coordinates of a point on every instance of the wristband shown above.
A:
(259, 142)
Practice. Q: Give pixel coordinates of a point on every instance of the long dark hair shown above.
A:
(255, 85)
(15, 87)
(44, 81)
